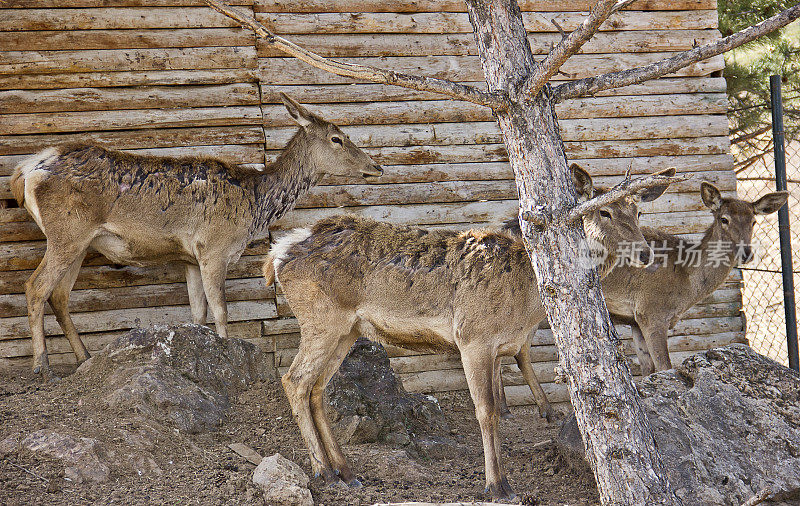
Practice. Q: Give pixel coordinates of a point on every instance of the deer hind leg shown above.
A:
(656, 337)
(480, 370)
(321, 422)
(642, 352)
(523, 359)
(197, 297)
(59, 301)
(502, 403)
(319, 343)
(213, 275)
(57, 261)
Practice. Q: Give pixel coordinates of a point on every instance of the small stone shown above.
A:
(81, 457)
(283, 482)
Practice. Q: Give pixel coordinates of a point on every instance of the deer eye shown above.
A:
(604, 213)
(337, 140)
(724, 220)
(639, 215)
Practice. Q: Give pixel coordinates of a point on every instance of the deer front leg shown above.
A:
(197, 297)
(656, 337)
(505, 412)
(479, 368)
(213, 272)
(642, 352)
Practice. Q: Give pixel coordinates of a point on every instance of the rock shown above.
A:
(369, 403)
(283, 482)
(184, 374)
(82, 457)
(727, 425)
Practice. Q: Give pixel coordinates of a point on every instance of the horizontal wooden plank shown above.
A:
(426, 44)
(104, 18)
(110, 276)
(145, 97)
(95, 321)
(285, 71)
(458, 22)
(59, 40)
(166, 294)
(133, 139)
(366, 92)
(452, 111)
(49, 4)
(125, 78)
(312, 6)
(123, 120)
(114, 60)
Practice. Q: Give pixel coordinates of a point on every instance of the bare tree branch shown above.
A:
(592, 85)
(570, 44)
(495, 100)
(624, 189)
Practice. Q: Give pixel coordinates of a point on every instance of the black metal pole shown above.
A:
(783, 224)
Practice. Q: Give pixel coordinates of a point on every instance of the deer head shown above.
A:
(734, 219)
(331, 151)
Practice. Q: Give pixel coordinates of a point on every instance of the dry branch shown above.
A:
(495, 100)
(592, 85)
(570, 44)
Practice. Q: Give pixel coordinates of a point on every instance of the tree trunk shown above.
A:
(620, 444)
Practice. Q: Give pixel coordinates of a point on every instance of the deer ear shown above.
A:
(712, 198)
(298, 113)
(770, 202)
(650, 194)
(583, 182)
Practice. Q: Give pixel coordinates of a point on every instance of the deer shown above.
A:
(141, 210)
(473, 293)
(653, 300)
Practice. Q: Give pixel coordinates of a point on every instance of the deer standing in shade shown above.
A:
(142, 210)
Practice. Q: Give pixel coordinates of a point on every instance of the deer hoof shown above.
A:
(354, 483)
(506, 415)
(501, 491)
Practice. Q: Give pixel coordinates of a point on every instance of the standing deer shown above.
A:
(652, 301)
(473, 292)
(140, 210)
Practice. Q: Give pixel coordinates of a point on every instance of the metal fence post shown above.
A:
(783, 223)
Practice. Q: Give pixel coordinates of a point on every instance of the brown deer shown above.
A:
(473, 292)
(140, 210)
(652, 301)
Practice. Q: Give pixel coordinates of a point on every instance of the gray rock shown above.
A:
(283, 482)
(727, 425)
(81, 456)
(184, 374)
(370, 404)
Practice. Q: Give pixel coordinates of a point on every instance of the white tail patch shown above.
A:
(282, 245)
(33, 170)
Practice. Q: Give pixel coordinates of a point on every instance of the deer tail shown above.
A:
(268, 269)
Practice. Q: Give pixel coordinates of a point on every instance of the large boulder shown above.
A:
(185, 375)
(369, 404)
(727, 425)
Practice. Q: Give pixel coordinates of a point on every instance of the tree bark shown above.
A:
(619, 442)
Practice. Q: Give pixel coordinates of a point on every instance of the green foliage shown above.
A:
(747, 70)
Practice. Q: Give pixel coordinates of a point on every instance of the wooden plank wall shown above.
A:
(172, 76)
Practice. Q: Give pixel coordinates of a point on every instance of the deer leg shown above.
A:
(197, 297)
(55, 264)
(523, 359)
(321, 422)
(642, 352)
(59, 301)
(505, 412)
(213, 277)
(479, 367)
(657, 342)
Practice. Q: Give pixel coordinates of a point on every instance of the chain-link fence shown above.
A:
(763, 288)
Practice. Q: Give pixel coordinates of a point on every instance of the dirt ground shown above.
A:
(200, 469)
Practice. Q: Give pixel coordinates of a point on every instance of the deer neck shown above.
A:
(712, 270)
(284, 182)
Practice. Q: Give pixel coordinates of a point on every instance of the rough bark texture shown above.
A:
(622, 450)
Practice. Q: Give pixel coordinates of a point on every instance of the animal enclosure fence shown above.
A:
(174, 77)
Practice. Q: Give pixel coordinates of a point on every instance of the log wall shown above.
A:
(174, 77)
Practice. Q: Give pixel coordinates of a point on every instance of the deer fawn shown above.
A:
(652, 301)
(140, 210)
(472, 292)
